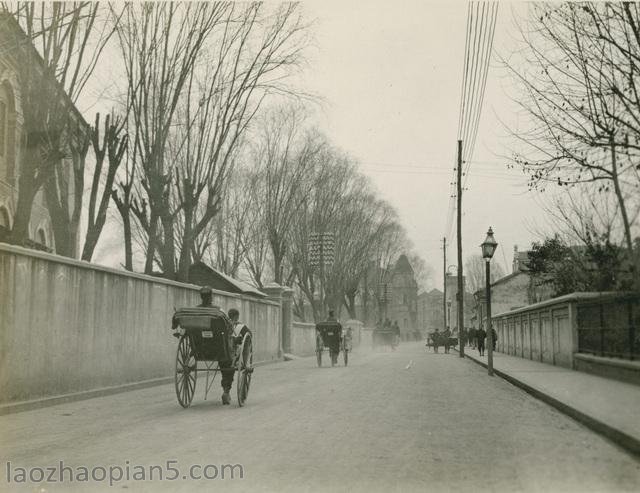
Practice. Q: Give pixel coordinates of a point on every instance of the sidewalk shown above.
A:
(607, 406)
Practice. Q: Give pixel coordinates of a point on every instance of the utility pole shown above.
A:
(460, 295)
(444, 278)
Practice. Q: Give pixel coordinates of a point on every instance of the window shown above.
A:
(4, 218)
(42, 238)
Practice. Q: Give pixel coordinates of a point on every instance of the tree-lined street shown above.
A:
(391, 421)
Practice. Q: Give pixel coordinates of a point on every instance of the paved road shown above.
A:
(439, 425)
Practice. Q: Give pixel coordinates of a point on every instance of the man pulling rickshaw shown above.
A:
(208, 336)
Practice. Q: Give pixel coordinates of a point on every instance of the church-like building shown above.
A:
(403, 297)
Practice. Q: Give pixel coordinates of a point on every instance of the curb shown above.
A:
(22, 406)
(18, 407)
(624, 440)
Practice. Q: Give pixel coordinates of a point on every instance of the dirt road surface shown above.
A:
(391, 421)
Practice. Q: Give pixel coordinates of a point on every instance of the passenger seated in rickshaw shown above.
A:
(227, 368)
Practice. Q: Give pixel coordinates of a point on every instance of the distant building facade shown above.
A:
(403, 303)
(512, 291)
(430, 311)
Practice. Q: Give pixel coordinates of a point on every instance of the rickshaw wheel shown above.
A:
(346, 357)
(319, 356)
(245, 370)
(186, 371)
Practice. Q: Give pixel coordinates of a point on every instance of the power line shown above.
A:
(481, 24)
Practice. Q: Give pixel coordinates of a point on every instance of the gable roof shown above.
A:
(403, 265)
(201, 273)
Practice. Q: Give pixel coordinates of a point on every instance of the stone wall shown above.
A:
(68, 326)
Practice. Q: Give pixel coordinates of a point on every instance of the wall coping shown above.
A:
(304, 325)
(82, 264)
(602, 360)
(577, 297)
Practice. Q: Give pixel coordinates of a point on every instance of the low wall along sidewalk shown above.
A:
(68, 326)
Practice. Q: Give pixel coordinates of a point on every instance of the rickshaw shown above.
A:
(384, 336)
(205, 338)
(329, 335)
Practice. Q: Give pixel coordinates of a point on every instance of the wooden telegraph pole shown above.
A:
(460, 294)
(444, 280)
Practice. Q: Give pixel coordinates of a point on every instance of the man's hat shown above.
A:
(205, 290)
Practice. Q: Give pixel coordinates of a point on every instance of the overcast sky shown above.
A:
(391, 74)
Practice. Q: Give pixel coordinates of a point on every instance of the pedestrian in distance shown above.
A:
(446, 338)
(480, 337)
(396, 335)
(472, 337)
(435, 340)
(494, 337)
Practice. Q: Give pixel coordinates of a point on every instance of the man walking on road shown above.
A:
(227, 367)
(480, 336)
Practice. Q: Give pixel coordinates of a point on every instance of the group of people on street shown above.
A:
(437, 339)
(474, 337)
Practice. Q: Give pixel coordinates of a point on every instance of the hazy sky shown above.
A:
(391, 74)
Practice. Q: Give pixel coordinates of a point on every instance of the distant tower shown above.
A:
(404, 297)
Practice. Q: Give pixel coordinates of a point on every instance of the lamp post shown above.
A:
(488, 249)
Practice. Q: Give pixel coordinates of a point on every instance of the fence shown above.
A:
(609, 328)
(69, 326)
(552, 331)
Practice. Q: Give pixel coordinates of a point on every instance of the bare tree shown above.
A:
(160, 44)
(193, 105)
(112, 146)
(580, 80)
(283, 158)
(61, 43)
(475, 272)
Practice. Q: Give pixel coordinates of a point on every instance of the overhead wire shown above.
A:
(481, 24)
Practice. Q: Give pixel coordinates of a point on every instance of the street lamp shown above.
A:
(489, 246)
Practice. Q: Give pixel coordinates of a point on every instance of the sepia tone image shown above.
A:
(320, 246)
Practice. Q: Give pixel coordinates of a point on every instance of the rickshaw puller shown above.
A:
(227, 367)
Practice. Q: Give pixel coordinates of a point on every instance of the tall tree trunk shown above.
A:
(151, 244)
(167, 250)
(187, 245)
(22, 216)
(623, 212)
(124, 208)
